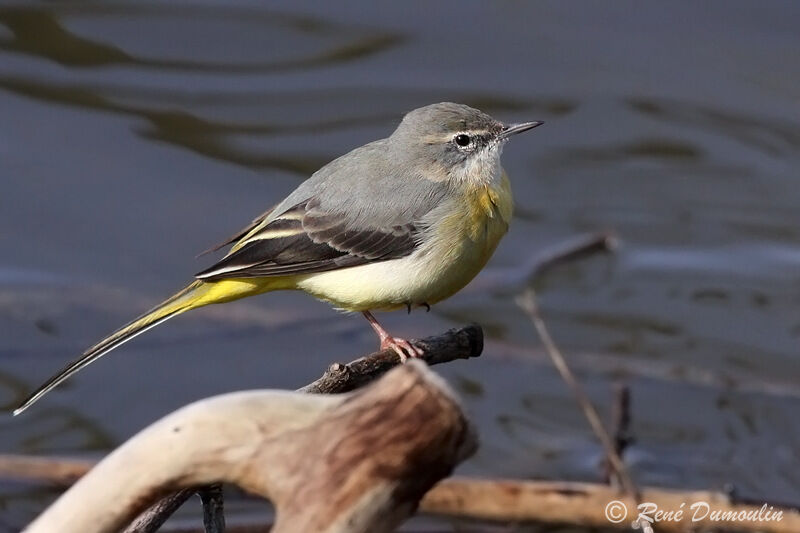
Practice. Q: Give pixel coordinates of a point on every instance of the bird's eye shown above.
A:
(462, 140)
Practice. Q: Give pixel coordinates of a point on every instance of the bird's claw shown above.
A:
(402, 347)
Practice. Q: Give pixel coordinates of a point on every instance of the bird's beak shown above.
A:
(513, 129)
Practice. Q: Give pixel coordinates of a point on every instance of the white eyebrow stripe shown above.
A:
(447, 137)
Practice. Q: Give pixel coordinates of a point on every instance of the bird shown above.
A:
(401, 222)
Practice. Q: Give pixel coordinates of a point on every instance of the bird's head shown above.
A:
(454, 142)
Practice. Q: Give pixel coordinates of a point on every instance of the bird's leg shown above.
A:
(403, 348)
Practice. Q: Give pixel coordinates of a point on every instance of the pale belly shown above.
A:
(417, 279)
(449, 259)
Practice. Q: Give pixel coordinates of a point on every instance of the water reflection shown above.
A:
(26, 502)
(53, 430)
(223, 140)
(63, 430)
(771, 136)
(42, 32)
(668, 149)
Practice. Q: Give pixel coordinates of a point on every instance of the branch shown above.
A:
(621, 428)
(347, 463)
(213, 513)
(459, 343)
(514, 279)
(572, 250)
(153, 518)
(56, 471)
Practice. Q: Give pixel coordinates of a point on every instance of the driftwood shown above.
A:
(509, 500)
(354, 462)
(459, 343)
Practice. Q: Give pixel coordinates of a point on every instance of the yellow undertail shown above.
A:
(197, 294)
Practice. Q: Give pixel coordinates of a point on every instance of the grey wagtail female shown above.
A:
(401, 222)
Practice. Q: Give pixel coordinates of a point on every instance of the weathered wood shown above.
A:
(459, 343)
(61, 472)
(345, 463)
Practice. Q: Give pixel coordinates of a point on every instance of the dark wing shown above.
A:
(305, 239)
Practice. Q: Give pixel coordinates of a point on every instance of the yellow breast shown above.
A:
(474, 233)
(490, 211)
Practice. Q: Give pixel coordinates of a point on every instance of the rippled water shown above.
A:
(134, 135)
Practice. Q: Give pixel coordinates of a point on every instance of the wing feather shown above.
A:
(305, 239)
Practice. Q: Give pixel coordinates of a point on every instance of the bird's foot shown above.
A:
(402, 347)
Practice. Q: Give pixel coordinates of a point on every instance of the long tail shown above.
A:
(197, 294)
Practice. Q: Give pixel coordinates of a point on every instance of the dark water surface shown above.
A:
(134, 135)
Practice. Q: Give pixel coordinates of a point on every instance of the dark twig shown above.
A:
(459, 343)
(620, 424)
(153, 518)
(213, 512)
(572, 250)
(510, 280)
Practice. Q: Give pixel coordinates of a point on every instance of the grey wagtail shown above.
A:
(401, 222)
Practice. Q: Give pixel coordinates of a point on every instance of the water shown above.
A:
(136, 135)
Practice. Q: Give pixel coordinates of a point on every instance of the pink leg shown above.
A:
(403, 348)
